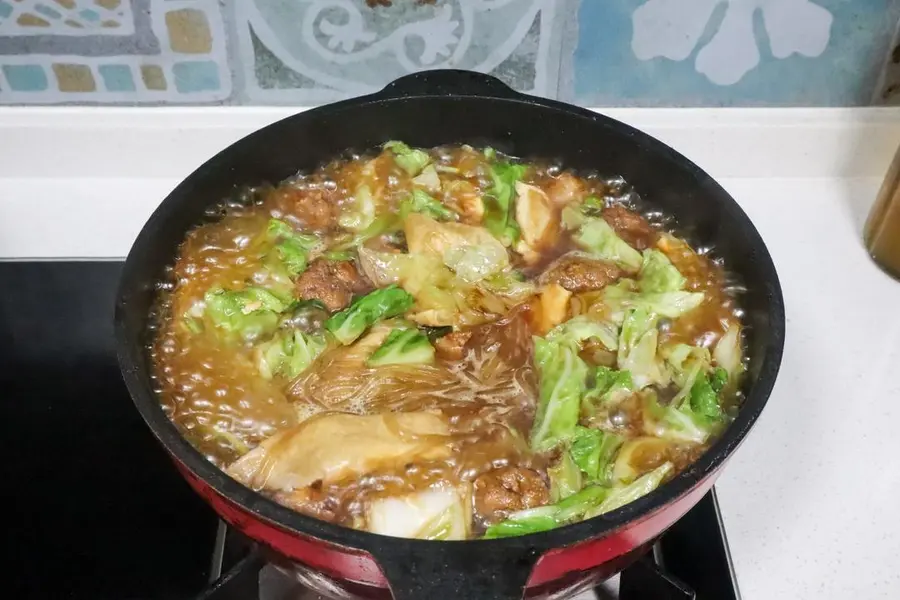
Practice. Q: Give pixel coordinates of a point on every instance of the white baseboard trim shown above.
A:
(77, 182)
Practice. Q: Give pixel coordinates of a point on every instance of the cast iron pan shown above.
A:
(428, 109)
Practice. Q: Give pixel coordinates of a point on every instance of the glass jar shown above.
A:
(882, 231)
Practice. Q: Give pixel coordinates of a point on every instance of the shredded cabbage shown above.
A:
(364, 312)
(403, 346)
(442, 297)
(411, 160)
(544, 518)
(658, 274)
(250, 313)
(475, 263)
(562, 376)
(435, 514)
(292, 248)
(582, 328)
(593, 451)
(638, 349)
(727, 352)
(623, 295)
(361, 211)
(499, 214)
(675, 424)
(642, 486)
(597, 237)
(428, 179)
(420, 202)
(288, 354)
(565, 478)
(610, 387)
(688, 363)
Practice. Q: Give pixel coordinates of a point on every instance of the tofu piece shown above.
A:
(554, 307)
(333, 446)
(537, 220)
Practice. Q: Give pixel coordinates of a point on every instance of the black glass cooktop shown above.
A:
(94, 508)
(97, 511)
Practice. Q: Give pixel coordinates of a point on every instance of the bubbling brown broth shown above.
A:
(224, 313)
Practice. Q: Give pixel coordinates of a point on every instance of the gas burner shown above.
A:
(689, 562)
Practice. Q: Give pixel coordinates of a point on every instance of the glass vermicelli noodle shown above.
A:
(446, 344)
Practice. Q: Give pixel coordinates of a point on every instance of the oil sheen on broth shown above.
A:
(446, 344)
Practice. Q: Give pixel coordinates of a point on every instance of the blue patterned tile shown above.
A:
(25, 78)
(196, 76)
(732, 52)
(114, 51)
(89, 15)
(117, 78)
(47, 11)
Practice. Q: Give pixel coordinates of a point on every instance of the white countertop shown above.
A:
(810, 501)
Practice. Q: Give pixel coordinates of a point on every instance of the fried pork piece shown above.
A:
(565, 189)
(503, 491)
(316, 209)
(630, 226)
(579, 273)
(332, 282)
(453, 345)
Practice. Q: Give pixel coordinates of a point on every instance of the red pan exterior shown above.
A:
(349, 564)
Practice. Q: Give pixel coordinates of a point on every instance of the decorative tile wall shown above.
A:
(740, 52)
(301, 52)
(592, 52)
(113, 51)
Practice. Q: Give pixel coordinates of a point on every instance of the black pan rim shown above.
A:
(377, 545)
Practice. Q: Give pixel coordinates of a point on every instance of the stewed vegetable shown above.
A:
(447, 344)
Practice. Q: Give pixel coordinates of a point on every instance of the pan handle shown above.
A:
(452, 570)
(448, 82)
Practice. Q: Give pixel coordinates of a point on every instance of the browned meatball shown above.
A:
(579, 273)
(502, 491)
(565, 189)
(630, 226)
(453, 345)
(316, 209)
(332, 282)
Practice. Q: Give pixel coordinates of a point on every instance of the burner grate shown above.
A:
(689, 562)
